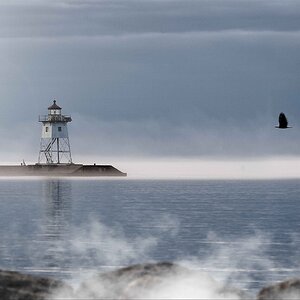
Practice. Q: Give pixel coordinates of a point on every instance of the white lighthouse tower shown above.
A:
(55, 146)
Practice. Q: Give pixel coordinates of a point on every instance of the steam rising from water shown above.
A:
(102, 244)
(228, 263)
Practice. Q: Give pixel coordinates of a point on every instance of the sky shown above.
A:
(152, 79)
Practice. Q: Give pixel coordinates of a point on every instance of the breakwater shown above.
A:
(76, 170)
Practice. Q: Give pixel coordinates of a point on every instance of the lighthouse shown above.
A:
(55, 145)
(55, 153)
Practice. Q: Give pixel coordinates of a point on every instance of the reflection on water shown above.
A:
(55, 225)
(57, 197)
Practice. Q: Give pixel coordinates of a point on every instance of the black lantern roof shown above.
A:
(54, 105)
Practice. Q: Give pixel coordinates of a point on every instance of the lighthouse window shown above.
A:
(47, 128)
(59, 128)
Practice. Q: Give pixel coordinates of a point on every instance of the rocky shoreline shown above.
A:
(133, 282)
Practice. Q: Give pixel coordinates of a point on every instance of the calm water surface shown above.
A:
(244, 231)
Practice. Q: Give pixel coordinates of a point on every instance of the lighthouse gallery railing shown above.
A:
(54, 118)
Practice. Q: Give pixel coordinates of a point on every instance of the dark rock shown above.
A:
(126, 282)
(154, 280)
(144, 280)
(289, 289)
(133, 280)
(17, 286)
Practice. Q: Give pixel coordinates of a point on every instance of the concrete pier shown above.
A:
(70, 170)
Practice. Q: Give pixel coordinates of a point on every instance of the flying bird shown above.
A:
(283, 122)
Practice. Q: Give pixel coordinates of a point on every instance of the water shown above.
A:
(242, 232)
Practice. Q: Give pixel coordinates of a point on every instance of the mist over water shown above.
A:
(234, 233)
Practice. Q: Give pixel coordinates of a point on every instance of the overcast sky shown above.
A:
(152, 78)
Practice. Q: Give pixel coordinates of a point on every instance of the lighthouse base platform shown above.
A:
(57, 170)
